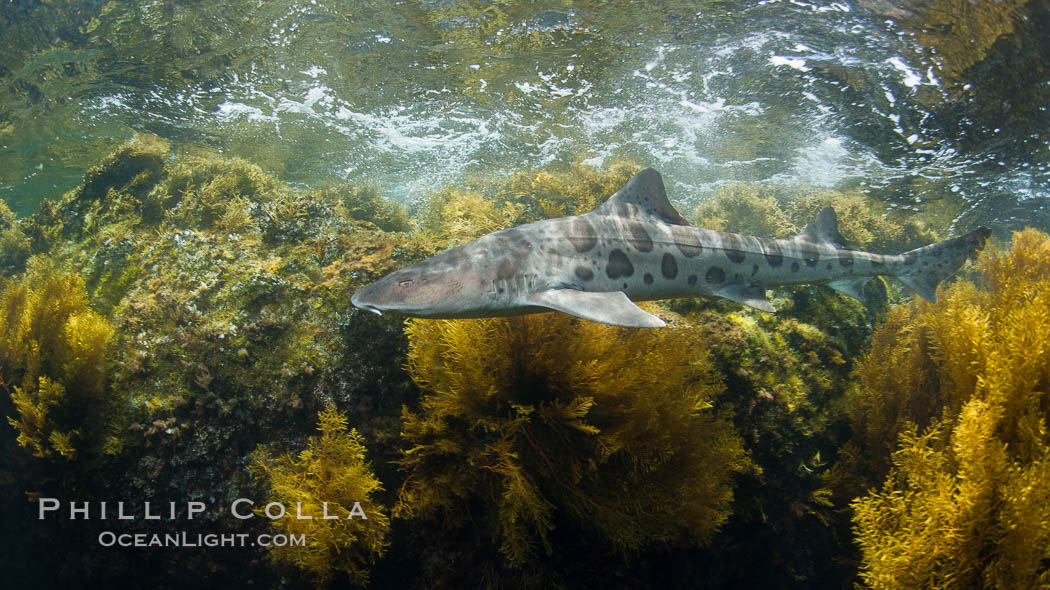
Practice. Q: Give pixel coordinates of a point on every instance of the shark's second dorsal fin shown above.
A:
(824, 229)
(646, 193)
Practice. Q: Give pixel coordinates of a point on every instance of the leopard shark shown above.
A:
(636, 247)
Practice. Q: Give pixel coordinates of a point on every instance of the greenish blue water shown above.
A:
(415, 95)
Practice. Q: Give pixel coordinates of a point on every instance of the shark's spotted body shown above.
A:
(636, 247)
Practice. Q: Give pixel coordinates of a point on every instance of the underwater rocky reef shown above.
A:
(179, 328)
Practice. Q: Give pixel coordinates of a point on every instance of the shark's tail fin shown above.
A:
(924, 268)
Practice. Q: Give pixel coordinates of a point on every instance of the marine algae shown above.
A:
(52, 355)
(332, 478)
(484, 205)
(785, 377)
(529, 422)
(966, 502)
(780, 212)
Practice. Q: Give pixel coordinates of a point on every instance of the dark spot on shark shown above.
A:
(754, 269)
(771, 249)
(733, 247)
(619, 265)
(845, 258)
(648, 278)
(691, 280)
(794, 267)
(638, 237)
(715, 275)
(584, 273)
(582, 235)
(810, 254)
(669, 266)
(687, 240)
(516, 248)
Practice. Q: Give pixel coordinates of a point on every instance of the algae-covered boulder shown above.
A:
(226, 302)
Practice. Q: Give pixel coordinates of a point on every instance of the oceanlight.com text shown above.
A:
(184, 539)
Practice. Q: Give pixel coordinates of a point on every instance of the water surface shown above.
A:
(412, 96)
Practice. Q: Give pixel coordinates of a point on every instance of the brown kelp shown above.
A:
(545, 421)
(331, 487)
(52, 358)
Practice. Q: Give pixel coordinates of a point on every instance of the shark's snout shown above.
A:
(360, 302)
(432, 288)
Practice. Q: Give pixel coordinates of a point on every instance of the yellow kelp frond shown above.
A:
(52, 355)
(1012, 275)
(546, 417)
(36, 429)
(331, 478)
(964, 505)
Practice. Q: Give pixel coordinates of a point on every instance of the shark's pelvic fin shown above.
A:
(753, 295)
(924, 284)
(646, 192)
(824, 229)
(854, 287)
(610, 307)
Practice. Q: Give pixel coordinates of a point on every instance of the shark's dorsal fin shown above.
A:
(647, 195)
(824, 229)
(608, 307)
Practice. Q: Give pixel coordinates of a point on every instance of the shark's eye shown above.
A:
(405, 283)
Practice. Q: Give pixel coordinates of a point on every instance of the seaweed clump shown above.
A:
(966, 501)
(530, 421)
(331, 485)
(15, 247)
(52, 355)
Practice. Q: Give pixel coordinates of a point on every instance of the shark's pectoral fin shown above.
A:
(610, 307)
(753, 295)
(852, 287)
